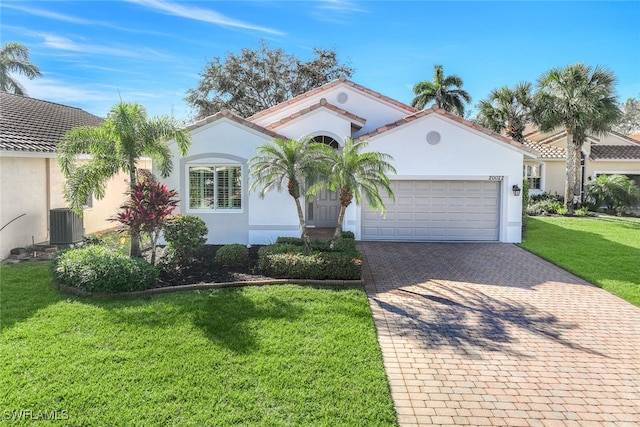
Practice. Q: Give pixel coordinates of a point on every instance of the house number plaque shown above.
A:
(496, 177)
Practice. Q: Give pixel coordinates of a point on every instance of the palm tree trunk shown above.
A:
(337, 235)
(134, 251)
(569, 187)
(303, 225)
(577, 166)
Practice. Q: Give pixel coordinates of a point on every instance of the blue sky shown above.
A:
(94, 53)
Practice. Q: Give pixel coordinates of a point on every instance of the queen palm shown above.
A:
(356, 173)
(507, 110)
(581, 100)
(14, 58)
(445, 91)
(116, 146)
(291, 163)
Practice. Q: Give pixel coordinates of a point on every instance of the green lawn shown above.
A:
(603, 250)
(272, 356)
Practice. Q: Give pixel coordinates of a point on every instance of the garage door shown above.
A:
(437, 211)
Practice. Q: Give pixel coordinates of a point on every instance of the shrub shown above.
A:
(96, 268)
(316, 265)
(290, 240)
(544, 197)
(185, 236)
(348, 235)
(617, 192)
(230, 256)
(546, 207)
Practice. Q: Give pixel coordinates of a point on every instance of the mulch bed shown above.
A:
(204, 269)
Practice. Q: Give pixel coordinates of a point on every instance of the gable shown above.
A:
(373, 107)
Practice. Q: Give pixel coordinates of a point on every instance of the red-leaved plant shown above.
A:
(149, 206)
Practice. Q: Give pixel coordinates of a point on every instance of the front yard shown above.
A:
(276, 355)
(603, 250)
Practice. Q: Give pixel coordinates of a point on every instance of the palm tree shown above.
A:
(114, 146)
(580, 99)
(295, 163)
(446, 92)
(14, 58)
(507, 110)
(357, 173)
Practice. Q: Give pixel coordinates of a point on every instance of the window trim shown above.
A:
(215, 209)
(529, 179)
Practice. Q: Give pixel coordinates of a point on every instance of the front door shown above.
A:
(323, 209)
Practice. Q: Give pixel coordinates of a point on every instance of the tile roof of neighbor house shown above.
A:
(458, 119)
(225, 113)
(327, 86)
(357, 120)
(547, 151)
(28, 124)
(635, 136)
(615, 152)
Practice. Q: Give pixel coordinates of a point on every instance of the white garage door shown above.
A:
(437, 211)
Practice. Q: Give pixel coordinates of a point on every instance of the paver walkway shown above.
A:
(489, 334)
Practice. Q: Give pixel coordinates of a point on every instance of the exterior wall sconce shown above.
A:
(516, 190)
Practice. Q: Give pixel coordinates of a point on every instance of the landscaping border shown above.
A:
(204, 286)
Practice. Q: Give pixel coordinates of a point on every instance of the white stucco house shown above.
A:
(455, 180)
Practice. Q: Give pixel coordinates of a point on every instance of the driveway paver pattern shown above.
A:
(487, 334)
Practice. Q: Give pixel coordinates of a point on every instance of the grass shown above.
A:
(603, 250)
(274, 356)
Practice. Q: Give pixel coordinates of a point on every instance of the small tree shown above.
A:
(293, 163)
(356, 173)
(148, 208)
(617, 192)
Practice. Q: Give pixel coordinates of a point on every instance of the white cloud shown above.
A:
(337, 11)
(57, 42)
(199, 14)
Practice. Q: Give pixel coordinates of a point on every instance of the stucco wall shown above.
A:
(24, 191)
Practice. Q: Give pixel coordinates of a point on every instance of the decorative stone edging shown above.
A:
(203, 286)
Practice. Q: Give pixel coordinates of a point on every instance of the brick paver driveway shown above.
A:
(488, 334)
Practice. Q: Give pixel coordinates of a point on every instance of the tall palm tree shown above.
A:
(290, 162)
(116, 145)
(14, 58)
(581, 99)
(445, 91)
(507, 110)
(357, 173)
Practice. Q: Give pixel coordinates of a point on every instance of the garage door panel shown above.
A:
(436, 211)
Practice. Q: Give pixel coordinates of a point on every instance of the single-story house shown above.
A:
(608, 154)
(455, 181)
(31, 183)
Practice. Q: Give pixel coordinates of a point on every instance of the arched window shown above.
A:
(323, 139)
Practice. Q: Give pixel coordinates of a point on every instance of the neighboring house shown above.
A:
(454, 179)
(31, 183)
(612, 153)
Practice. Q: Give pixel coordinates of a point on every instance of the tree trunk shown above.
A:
(577, 169)
(134, 251)
(569, 186)
(337, 235)
(346, 197)
(303, 225)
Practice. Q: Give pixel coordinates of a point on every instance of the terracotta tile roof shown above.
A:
(547, 151)
(224, 113)
(615, 152)
(357, 120)
(435, 110)
(28, 124)
(634, 136)
(328, 86)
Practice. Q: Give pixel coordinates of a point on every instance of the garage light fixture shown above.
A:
(516, 190)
